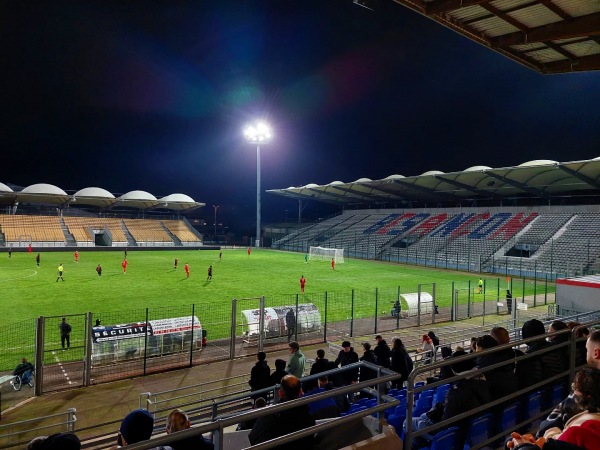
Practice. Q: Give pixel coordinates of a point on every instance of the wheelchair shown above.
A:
(19, 380)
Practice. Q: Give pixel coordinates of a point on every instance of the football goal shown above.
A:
(326, 254)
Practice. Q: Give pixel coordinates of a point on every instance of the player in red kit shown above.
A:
(76, 256)
(124, 265)
(302, 283)
(333, 263)
(187, 270)
(248, 251)
(30, 249)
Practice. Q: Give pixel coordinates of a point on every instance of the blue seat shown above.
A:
(480, 429)
(424, 401)
(534, 406)
(448, 439)
(557, 394)
(396, 421)
(441, 392)
(509, 417)
(419, 411)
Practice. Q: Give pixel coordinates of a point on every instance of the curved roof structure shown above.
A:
(540, 179)
(43, 193)
(548, 36)
(95, 196)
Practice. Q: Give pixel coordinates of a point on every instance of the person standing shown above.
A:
(302, 283)
(209, 277)
(480, 286)
(61, 269)
(260, 375)
(124, 265)
(175, 262)
(99, 270)
(248, 251)
(37, 260)
(306, 258)
(76, 256)
(401, 363)
(220, 255)
(186, 268)
(65, 333)
(10, 252)
(333, 263)
(29, 249)
(345, 357)
(290, 323)
(125, 253)
(509, 301)
(383, 352)
(297, 361)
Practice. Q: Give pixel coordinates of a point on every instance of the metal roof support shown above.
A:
(523, 187)
(428, 191)
(466, 187)
(595, 184)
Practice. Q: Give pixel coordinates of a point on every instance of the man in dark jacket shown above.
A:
(279, 372)
(368, 356)
(502, 380)
(538, 368)
(347, 356)
(286, 422)
(383, 352)
(24, 370)
(260, 374)
(321, 364)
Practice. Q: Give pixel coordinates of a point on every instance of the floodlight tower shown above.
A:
(258, 134)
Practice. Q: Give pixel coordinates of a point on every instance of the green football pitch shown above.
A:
(151, 281)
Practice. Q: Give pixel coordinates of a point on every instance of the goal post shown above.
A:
(326, 254)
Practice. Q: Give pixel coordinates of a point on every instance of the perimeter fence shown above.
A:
(111, 345)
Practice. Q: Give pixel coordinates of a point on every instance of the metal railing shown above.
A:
(66, 422)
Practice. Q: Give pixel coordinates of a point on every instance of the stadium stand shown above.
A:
(148, 232)
(181, 231)
(22, 230)
(513, 239)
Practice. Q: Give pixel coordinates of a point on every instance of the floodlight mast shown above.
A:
(258, 134)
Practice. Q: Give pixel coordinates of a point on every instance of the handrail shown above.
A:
(69, 422)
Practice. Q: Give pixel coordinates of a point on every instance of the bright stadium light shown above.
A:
(259, 133)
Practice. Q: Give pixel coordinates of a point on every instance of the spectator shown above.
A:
(248, 424)
(290, 323)
(502, 380)
(65, 333)
(500, 334)
(279, 372)
(383, 352)
(426, 348)
(137, 426)
(321, 364)
(401, 363)
(285, 422)
(177, 420)
(58, 441)
(340, 400)
(583, 429)
(563, 351)
(24, 369)
(434, 339)
(297, 361)
(345, 357)
(446, 371)
(260, 375)
(570, 406)
(537, 368)
(36, 443)
(367, 374)
(581, 333)
(325, 408)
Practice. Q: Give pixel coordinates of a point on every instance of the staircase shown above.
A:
(130, 239)
(69, 239)
(172, 236)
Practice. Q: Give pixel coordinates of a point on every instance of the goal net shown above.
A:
(326, 254)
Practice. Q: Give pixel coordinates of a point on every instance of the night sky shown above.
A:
(154, 95)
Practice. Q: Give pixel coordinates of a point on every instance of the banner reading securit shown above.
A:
(158, 327)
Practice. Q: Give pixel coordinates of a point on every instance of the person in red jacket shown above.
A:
(124, 265)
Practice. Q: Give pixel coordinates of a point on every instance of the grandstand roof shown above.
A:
(548, 36)
(95, 196)
(539, 179)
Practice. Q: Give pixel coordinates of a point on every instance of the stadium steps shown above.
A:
(171, 235)
(130, 239)
(70, 240)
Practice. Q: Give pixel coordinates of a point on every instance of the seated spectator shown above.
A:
(58, 441)
(473, 346)
(260, 374)
(341, 400)
(434, 339)
(445, 371)
(177, 420)
(24, 369)
(325, 408)
(581, 430)
(248, 424)
(285, 422)
(136, 427)
(279, 372)
(564, 352)
(502, 380)
(537, 368)
(581, 335)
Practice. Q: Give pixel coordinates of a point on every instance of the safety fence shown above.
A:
(113, 345)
